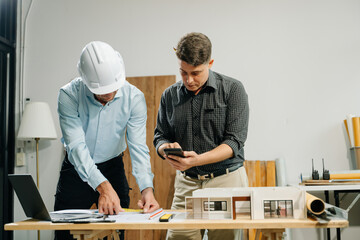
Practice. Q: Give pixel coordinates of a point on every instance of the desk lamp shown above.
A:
(37, 123)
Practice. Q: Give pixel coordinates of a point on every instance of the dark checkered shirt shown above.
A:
(218, 114)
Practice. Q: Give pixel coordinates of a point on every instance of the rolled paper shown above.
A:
(314, 205)
(347, 129)
(345, 176)
(305, 177)
(356, 131)
(350, 127)
(280, 172)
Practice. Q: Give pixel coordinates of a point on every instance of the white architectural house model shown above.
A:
(249, 203)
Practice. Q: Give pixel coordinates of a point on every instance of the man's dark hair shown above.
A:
(194, 49)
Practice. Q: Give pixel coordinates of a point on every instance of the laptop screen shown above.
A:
(29, 196)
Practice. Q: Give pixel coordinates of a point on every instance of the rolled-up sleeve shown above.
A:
(136, 139)
(237, 118)
(74, 138)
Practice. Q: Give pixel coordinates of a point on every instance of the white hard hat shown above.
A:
(101, 68)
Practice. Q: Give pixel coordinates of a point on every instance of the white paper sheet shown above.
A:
(144, 217)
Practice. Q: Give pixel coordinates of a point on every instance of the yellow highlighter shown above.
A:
(166, 217)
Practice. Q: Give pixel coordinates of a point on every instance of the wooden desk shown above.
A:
(98, 230)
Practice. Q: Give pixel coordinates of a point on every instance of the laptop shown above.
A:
(34, 207)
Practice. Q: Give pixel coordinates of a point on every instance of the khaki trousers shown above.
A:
(184, 186)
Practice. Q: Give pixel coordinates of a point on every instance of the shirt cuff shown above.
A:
(158, 145)
(234, 146)
(96, 179)
(146, 182)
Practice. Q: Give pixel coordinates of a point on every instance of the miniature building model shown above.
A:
(250, 203)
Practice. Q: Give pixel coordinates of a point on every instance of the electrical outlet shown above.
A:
(20, 159)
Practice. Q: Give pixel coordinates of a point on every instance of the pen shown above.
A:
(105, 216)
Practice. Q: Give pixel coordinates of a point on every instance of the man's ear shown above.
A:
(211, 63)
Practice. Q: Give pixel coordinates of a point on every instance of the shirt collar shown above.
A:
(88, 92)
(211, 82)
(91, 95)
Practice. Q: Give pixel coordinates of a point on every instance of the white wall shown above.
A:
(298, 60)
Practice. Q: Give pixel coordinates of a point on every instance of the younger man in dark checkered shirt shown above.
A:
(207, 116)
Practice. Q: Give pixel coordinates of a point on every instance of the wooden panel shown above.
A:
(260, 174)
(270, 174)
(164, 175)
(250, 171)
(147, 86)
(257, 174)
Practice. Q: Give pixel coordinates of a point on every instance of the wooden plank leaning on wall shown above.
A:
(260, 174)
(164, 175)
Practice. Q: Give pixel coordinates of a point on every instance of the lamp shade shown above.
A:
(37, 122)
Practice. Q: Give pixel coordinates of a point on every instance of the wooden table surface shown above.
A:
(32, 224)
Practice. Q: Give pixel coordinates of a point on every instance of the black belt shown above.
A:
(211, 175)
(110, 161)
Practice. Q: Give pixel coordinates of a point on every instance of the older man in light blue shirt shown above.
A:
(96, 112)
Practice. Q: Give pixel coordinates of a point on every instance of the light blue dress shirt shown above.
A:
(93, 133)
